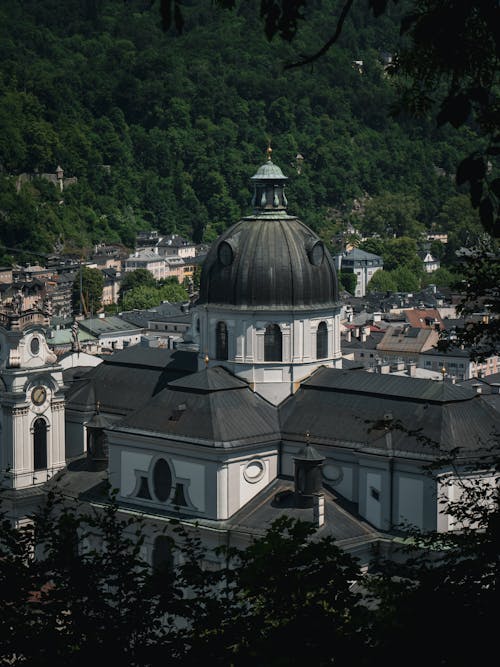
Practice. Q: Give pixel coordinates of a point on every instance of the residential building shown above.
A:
(364, 265)
(149, 260)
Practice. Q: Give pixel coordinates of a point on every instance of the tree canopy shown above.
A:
(163, 131)
(75, 588)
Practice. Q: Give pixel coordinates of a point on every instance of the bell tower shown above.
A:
(32, 435)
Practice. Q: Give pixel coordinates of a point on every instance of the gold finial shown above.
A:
(269, 150)
(308, 436)
(98, 406)
(443, 371)
(206, 360)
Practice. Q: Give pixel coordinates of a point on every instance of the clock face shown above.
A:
(316, 254)
(38, 395)
(225, 254)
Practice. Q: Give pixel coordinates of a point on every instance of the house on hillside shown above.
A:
(429, 262)
(364, 265)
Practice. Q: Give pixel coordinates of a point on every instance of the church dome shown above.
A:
(269, 260)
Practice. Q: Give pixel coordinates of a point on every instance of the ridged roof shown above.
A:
(211, 407)
(271, 268)
(426, 418)
(270, 260)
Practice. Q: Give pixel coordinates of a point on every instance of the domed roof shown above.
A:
(270, 260)
(269, 170)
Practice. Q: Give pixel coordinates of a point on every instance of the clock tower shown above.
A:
(32, 435)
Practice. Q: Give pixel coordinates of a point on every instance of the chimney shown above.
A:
(364, 333)
(319, 509)
(308, 482)
(356, 332)
(348, 335)
(411, 367)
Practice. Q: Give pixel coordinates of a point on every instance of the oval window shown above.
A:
(162, 480)
(35, 346)
(254, 471)
(316, 254)
(225, 253)
(332, 473)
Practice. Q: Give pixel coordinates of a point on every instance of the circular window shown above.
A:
(254, 471)
(316, 254)
(225, 253)
(332, 473)
(35, 346)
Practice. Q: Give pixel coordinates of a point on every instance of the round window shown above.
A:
(332, 473)
(35, 346)
(316, 254)
(254, 471)
(225, 253)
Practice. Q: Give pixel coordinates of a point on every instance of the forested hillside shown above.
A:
(164, 131)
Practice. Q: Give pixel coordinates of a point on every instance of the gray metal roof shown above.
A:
(270, 171)
(143, 356)
(277, 499)
(212, 407)
(270, 268)
(127, 380)
(388, 385)
(104, 325)
(357, 254)
(350, 408)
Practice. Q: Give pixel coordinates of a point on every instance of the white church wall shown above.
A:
(246, 333)
(371, 496)
(197, 472)
(340, 476)
(245, 475)
(131, 464)
(479, 489)
(410, 500)
(75, 434)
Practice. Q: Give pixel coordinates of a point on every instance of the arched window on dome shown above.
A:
(322, 341)
(221, 341)
(273, 347)
(40, 444)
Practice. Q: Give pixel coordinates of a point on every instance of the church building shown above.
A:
(261, 421)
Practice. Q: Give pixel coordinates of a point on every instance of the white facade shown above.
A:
(146, 259)
(246, 332)
(32, 425)
(205, 482)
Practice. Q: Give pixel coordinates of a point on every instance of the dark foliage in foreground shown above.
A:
(74, 588)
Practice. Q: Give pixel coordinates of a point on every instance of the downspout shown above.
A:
(388, 441)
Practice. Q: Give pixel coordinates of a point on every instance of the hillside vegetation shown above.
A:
(164, 131)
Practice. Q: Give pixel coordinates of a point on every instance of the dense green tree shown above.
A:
(389, 215)
(144, 296)
(406, 279)
(138, 278)
(401, 252)
(348, 281)
(382, 281)
(164, 133)
(87, 291)
(443, 277)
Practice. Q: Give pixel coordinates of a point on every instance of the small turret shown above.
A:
(308, 480)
